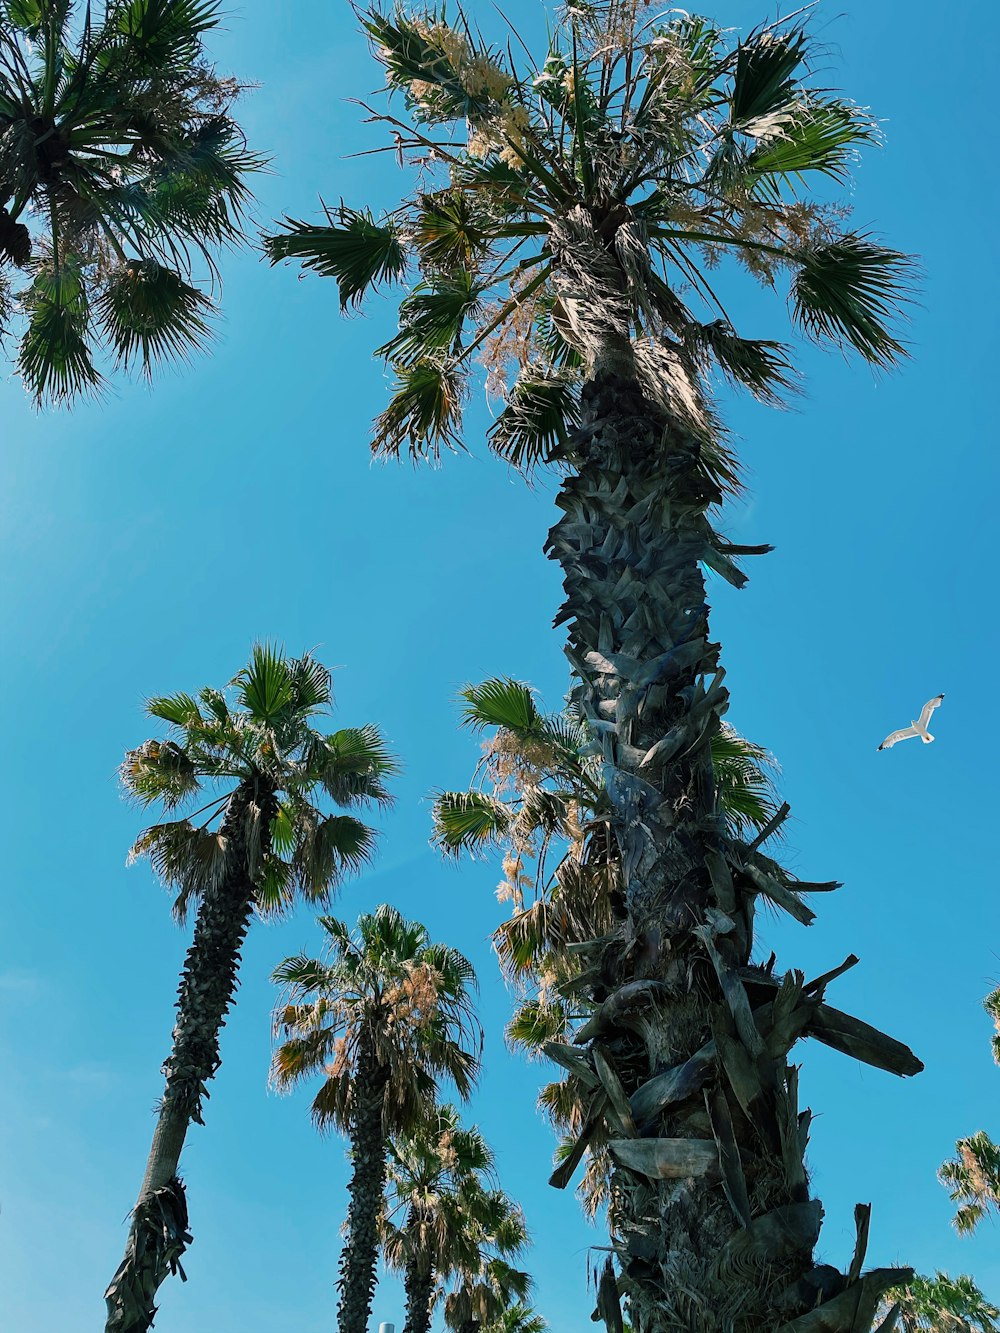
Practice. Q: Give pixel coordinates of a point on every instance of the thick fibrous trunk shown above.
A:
(158, 1234)
(712, 1220)
(419, 1286)
(356, 1283)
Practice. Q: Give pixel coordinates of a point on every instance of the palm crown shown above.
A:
(121, 168)
(261, 739)
(571, 208)
(390, 986)
(443, 1213)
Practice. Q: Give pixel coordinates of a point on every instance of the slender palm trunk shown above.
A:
(418, 1283)
(158, 1235)
(711, 1214)
(358, 1258)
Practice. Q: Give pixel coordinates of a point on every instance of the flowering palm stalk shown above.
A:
(442, 1210)
(567, 216)
(262, 840)
(121, 169)
(385, 1016)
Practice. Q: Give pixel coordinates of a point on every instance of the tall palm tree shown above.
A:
(973, 1174)
(488, 1286)
(567, 215)
(939, 1304)
(441, 1209)
(537, 788)
(121, 169)
(385, 1016)
(260, 839)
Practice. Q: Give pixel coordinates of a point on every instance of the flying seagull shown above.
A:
(918, 728)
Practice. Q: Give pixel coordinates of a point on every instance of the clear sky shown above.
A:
(147, 539)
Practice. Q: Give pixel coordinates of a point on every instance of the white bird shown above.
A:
(918, 728)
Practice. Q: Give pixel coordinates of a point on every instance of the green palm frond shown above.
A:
(942, 1304)
(635, 157)
(815, 136)
(56, 357)
(501, 702)
(266, 686)
(469, 821)
(846, 290)
(353, 248)
(424, 413)
(149, 311)
(431, 318)
(762, 367)
(115, 141)
(539, 413)
(764, 77)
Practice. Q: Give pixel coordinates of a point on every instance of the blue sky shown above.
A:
(147, 539)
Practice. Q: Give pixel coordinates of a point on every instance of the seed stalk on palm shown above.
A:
(569, 214)
(261, 841)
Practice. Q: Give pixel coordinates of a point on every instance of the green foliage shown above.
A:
(261, 738)
(942, 1304)
(122, 174)
(844, 292)
(568, 205)
(973, 1180)
(385, 988)
(353, 248)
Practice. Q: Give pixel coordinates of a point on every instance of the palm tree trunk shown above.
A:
(158, 1235)
(681, 994)
(358, 1258)
(418, 1283)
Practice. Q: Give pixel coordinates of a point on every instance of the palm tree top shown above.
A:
(259, 735)
(575, 203)
(122, 176)
(384, 983)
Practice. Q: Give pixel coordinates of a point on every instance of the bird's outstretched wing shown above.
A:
(928, 708)
(903, 734)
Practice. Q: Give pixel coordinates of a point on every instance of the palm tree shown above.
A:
(567, 217)
(538, 784)
(940, 1304)
(120, 167)
(517, 1318)
(386, 1016)
(973, 1180)
(261, 840)
(973, 1174)
(488, 1286)
(441, 1209)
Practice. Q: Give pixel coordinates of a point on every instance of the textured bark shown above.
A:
(158, 1234)
(718, 1235)
(418, 1282)
(358, 1258)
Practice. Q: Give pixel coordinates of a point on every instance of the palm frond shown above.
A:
(150, 311)
(848, 291)
(468, 821)
(353, 248)
(764, 79)
(56, 357)
(424, 412)
(266, 686)
(500, 702)
(541, 410)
